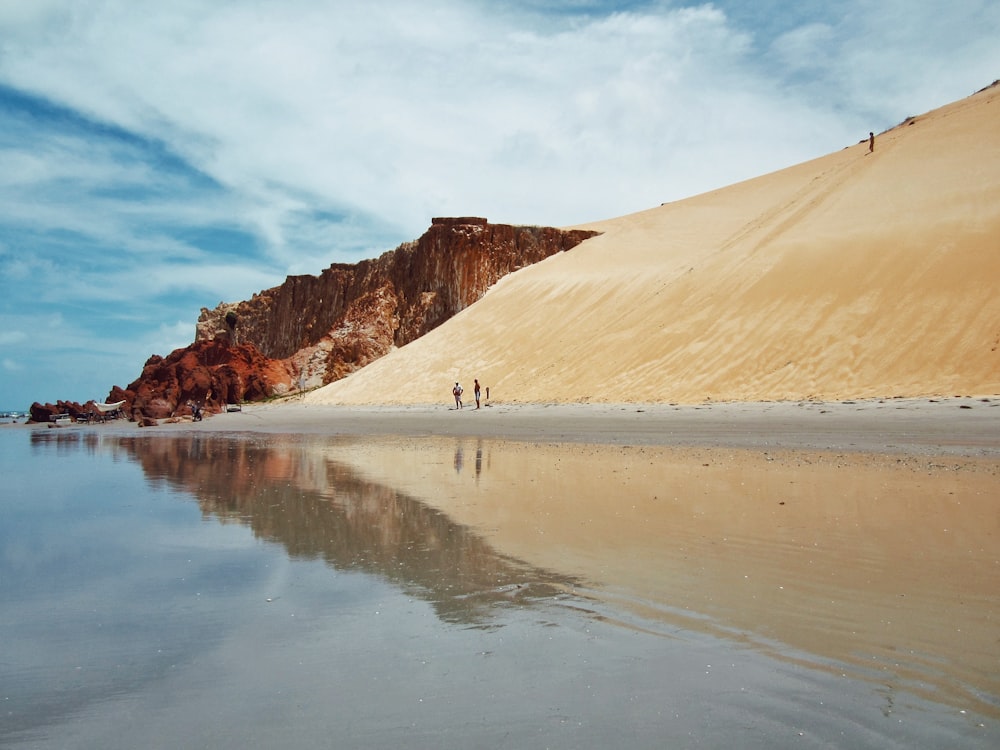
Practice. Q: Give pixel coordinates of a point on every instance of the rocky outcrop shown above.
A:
(211, 374)
(47, 412)
(324, 327)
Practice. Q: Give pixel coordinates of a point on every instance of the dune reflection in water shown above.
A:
(884, 567)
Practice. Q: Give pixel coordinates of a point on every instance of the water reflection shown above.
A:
(459, 462)
(297, 495)
(886, 570)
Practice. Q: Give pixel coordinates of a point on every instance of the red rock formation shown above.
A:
(45, 412)
(209, 373)
(327, 326)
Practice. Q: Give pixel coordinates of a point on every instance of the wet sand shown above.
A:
(884, 568)
(856, 536)
(960, 426)
(854, 544)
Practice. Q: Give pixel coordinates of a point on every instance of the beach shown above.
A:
(811, 569)
(735, 476)
(966, 427)
(821, 533)
(745, 445)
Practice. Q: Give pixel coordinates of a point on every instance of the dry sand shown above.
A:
(855, 275)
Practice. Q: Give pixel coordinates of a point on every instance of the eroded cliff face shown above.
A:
(312, 330)
(324, 327)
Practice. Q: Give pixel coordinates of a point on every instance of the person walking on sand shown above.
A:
(476, 391)
(457, 393)
(871, 141)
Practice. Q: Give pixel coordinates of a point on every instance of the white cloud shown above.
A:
(406, 111)
(807, 48)
(892, 59)
(168, 337)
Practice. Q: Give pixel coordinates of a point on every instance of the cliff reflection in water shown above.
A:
(293, 493)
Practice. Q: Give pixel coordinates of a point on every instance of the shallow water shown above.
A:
(211, 591)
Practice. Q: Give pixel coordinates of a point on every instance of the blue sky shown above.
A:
(157, 158)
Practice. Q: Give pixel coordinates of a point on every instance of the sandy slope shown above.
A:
(853, 275)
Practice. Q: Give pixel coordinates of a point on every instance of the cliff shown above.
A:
(325, 327)
(313, 330)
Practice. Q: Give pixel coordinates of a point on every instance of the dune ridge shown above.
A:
(853, 275)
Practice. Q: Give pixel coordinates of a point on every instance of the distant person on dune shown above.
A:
(457, 393)
(871, 141)
(476, 391)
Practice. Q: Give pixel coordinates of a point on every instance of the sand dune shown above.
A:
(852, 275)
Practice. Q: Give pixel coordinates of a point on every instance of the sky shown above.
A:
(157, 158)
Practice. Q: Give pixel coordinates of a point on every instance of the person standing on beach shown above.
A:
(871, 141)
(476, 390)
(457, 393)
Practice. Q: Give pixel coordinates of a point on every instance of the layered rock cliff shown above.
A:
(325, 327)
(312, 330)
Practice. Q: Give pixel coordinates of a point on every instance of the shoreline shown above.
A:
(849, 534)
(957, 426)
